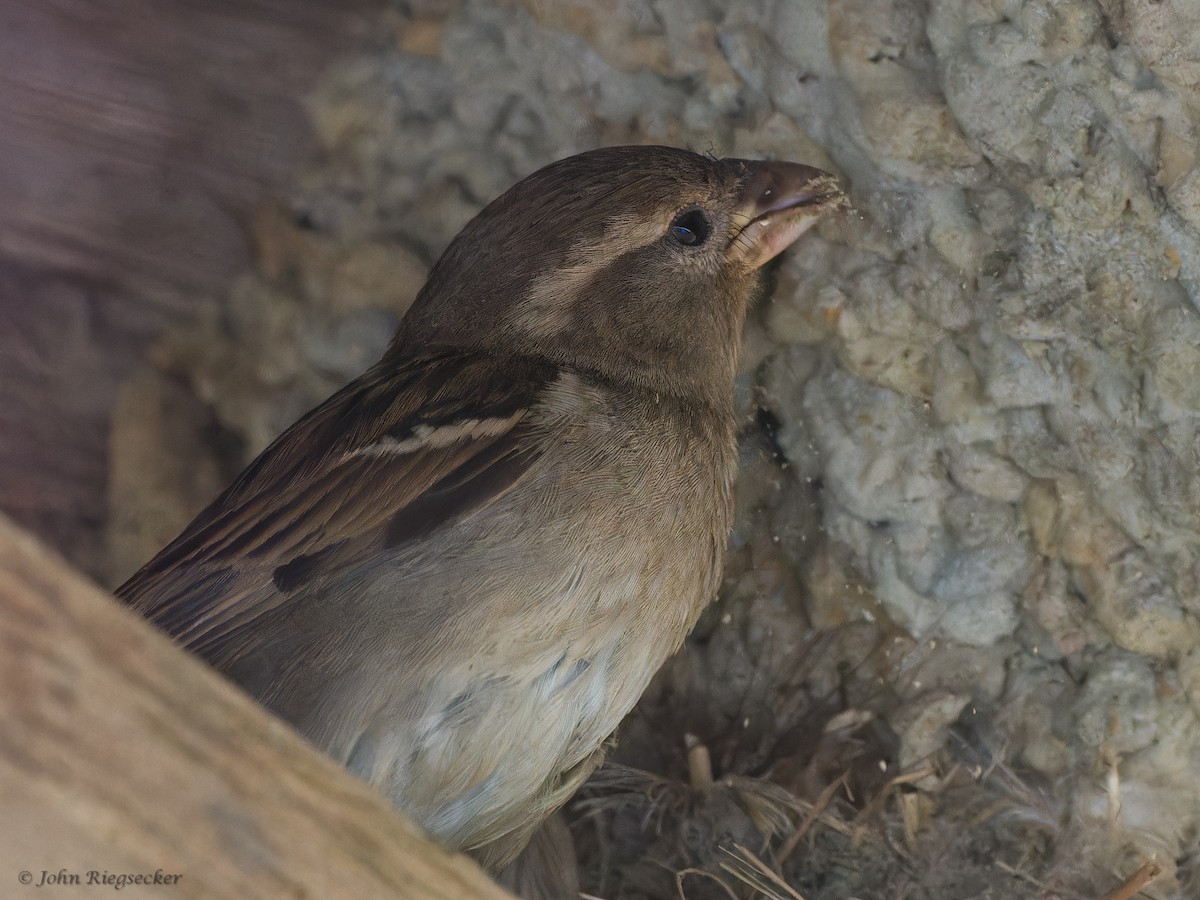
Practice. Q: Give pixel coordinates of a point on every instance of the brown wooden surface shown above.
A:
(120, 753)
(137, 139)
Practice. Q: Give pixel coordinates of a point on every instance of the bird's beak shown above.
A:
(779, 202)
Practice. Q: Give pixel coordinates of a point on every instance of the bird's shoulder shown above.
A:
(400, 450)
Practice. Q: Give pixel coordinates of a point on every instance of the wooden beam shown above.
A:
(123, 756)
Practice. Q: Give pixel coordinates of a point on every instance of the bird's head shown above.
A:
(637, 263)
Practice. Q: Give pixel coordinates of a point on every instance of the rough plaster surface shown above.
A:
(981, 474)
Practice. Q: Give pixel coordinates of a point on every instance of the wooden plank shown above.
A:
(120, 754)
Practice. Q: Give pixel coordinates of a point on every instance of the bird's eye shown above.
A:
(689, 228)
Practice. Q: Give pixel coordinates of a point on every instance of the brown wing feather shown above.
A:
(387, 459)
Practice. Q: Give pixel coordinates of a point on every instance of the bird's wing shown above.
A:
(388, 458)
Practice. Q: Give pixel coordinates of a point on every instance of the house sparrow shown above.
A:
(459, 573)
